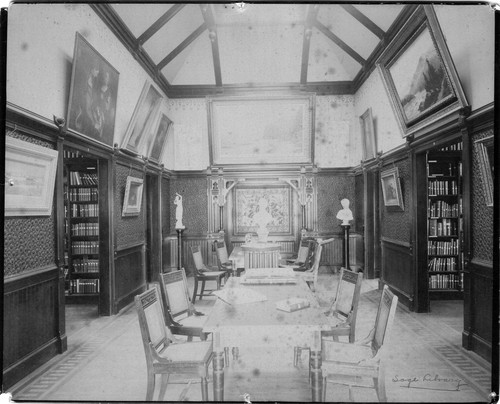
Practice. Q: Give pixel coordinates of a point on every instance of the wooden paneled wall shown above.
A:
(130, 276)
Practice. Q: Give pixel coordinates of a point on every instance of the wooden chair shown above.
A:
(164, 357)
(343, 311)
(311, 274)
(223, 259)
(180, 313)
(203, 274)
(361, 364)
(304, 258)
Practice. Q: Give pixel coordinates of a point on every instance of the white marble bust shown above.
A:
(345, 214)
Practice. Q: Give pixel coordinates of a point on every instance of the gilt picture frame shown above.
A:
(142, 119)
(162, 129)
(93, 94)
(419, 75)
(368, 140)
(391, 188)
(485, 154)
(133, 196)
(30, 173)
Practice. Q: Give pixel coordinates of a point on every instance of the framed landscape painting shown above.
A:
(93, 94)
(391, 188)
(419, 75)
(158, 140)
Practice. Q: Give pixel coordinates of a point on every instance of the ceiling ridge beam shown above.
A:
(160, 22)
(312, 11)
(363, 19)
(340, 43)
(183, 45)
(208, 16)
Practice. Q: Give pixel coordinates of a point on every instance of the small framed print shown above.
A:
(133, 197)
(391, 188)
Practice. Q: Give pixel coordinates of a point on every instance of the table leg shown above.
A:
(316, 375)
(218, 365)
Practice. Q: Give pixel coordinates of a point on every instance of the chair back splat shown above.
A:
(203, 273)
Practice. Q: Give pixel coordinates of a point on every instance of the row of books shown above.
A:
(85, 247)
(445, 281)
(83, 195)
(442, 247)
(453, 147)
(448, 264)
(85, 210)
(83, 286)
(86, 265)
(443, 187)
(439, 169)
(444, 209)
(82, 178)
(85, 229)
(443, 227)
(68, 154)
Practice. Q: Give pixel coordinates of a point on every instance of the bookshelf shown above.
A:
(82, 255)
(445, 222)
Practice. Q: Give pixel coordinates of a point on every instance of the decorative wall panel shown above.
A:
(129, 230)
(359, 211)
(195, 199)
(331, 190)
(481, 215)
(29, 242)
(165, 206)
(396, 225)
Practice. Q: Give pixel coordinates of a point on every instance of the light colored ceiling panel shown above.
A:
(260, 14)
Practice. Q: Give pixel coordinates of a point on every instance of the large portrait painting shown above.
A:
(419, 75)
(93, 94)
(249, 201)
(261, 130)
(139, 127)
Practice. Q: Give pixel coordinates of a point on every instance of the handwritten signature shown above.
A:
(428, 378)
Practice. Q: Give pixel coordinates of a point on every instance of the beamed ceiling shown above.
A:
(195, 50)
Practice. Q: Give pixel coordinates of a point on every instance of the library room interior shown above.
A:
(250, 202)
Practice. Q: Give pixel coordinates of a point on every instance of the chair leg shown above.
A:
(296, 351)
(163, 386)
(380, 385)
(204, 389)
(202, 288)
(195, 289)
(324, 388)
(151, 385)
(226, 356)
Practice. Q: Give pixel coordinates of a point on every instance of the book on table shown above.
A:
(292, 304)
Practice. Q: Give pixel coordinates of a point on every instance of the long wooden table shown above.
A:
(260, 324)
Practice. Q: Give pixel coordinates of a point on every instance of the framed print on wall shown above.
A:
(93, 94)
(368, 140)
(30, 173)
(133, 197)
(391, 188)
(143, 117)
(158, 140)
(419, 75)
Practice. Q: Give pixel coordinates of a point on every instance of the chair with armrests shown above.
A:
(223, 261)
(341, 315)
(311, 274)
(164, 357)
(304, 258)
(361, 364)
(202, 274)
(180, 314)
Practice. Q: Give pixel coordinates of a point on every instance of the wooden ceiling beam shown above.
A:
(312, 11)
(210, 21)
(363, 19)
(160, 22)
(340, 43)
(183, 45)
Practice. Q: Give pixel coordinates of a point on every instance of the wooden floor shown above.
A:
(105, 361)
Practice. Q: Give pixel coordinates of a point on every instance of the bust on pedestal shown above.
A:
(179, 227)
(261, 219)
(345, 215)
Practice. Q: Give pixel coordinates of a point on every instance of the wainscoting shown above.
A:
(130, 275)
(32, 323)
(478, 312)
(397, 270)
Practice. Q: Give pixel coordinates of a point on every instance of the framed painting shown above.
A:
(160, 133)
(261, 130)
(93, 94)
(30, 173)
(391, 188)
(368, 140)
(249, 205)
(133, 197)
(419, 75)
(143, 117)
(486, 157)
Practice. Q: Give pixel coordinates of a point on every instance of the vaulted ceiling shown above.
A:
(194, 50)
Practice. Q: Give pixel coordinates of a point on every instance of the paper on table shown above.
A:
(239, 296)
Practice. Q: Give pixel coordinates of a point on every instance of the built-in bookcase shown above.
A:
(445, 222)
(81, 197)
